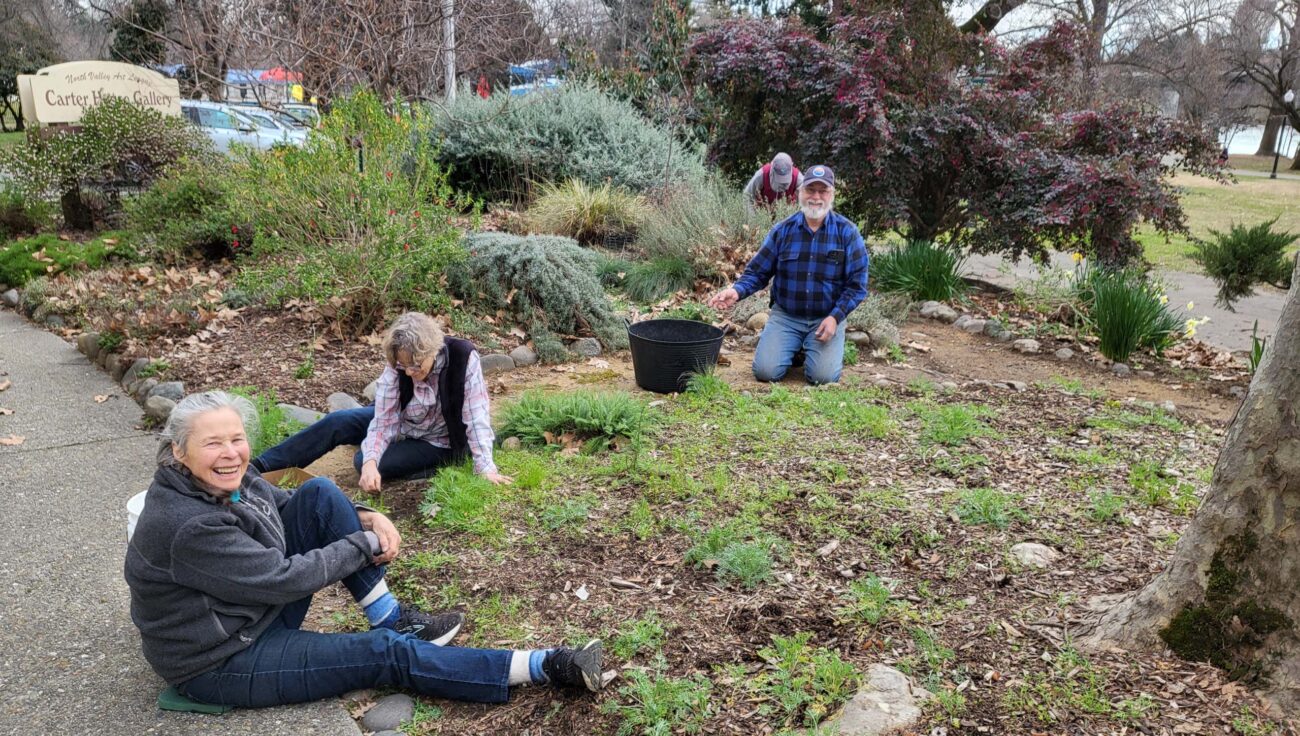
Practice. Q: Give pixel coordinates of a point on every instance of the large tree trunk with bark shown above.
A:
(1272, 126)
(1231, 593)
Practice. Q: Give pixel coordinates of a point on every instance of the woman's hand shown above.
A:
(390, 541)
(370, 477)
(498, 479)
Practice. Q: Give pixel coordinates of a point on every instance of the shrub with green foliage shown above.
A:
(188, 212)
(360, 241)
(924, 271)
(574, 132)
(15, 220)
(1243, 257)
(539, 419)
(1129, 312)
(273, 425)
(738, 553)
(546, 282)
(115, 141)
(48, 254)
(588, 214)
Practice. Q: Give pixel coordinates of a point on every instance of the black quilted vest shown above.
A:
(451, 392)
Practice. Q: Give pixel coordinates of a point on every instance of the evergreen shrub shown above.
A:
(497, 146)
(189, 212)
(1243, 257)
(546, 282)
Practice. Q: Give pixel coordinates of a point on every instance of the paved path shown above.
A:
(70, 658)
(1226, 330)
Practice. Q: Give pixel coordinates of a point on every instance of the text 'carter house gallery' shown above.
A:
(63, 92)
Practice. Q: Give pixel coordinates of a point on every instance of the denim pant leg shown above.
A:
(781, 339)
(825, 360)
(287, 665)
(407, 459)
(317, 515)
(347, 427)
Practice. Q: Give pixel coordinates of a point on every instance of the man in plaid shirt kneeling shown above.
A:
(817, 264)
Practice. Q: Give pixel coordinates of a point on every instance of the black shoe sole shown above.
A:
(589, 661)
(446, 638)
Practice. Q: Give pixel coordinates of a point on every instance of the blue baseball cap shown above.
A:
(821, 173)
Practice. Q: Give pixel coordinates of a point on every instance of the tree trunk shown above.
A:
(1295, 160)
(1272, 126)
(76, 215)
(1231, 593)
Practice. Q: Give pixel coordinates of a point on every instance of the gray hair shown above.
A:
(181, 422)
(416, 333)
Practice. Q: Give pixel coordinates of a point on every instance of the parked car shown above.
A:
(226, 126)
(308, 115)
(270, 124)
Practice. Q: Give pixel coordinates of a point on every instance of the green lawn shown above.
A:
(1218, 206)
(1259, 163)
(8, 139)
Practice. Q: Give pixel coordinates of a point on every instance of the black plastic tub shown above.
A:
(665, 352)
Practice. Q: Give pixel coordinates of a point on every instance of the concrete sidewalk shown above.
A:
(1225, 330)
(70, 659)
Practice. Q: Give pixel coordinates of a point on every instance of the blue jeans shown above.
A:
(403, 458)
(785, 335)
(287, 665)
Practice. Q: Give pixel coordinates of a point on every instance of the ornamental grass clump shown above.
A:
(588, 214)
(545, 282)
(1243, 257)
(922, 270)
(1128, 312)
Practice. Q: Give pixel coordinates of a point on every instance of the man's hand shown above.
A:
(826, 330)
(498, 479)
(724, 299)
(389, 539)
(370, 477)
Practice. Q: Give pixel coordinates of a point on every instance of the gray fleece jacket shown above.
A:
(207, 577)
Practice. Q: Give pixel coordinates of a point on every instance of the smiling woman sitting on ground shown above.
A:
(223, 566)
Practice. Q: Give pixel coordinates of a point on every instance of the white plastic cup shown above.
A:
(133, 509)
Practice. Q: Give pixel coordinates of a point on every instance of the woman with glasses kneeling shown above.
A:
(430, 410)
(223, 565)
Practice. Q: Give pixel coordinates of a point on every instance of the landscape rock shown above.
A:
(369, 390)
(884, 335)
(1237, 392)
(143, 388)
(861, 339)
(961, 322)
(757, 321)
(132, 374)
(339, 401)
(300, 414)
(159, 407)
(1033, 554)
(11, 298)
(948, 385)
(174, 390)
(523, 356)
(1016, 385)
(1122, 370)
(993, 327)
(1064, 354)
(587, 347)
(511, 443)
(388, 732)
(1169, 407)
(886, 704)
(975, 326)
(115, 366)
(883, 383)
(54, 321)
(1004, 336)
(940, 312)
(1026, 345)
(389, 713)
(88, 344)
(1147, 374)
(749, 340)
(496, 363)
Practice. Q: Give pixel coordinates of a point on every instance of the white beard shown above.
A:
(815, 213)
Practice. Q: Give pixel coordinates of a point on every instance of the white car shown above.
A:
(270, 123)
(226, 126)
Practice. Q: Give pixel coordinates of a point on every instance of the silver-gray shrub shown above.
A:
(546, 282)
(180, 424)
(497, 147)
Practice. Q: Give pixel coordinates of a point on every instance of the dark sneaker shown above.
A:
(436, 628)
(576, 667)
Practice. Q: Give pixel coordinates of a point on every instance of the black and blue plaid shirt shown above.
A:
(813, 274)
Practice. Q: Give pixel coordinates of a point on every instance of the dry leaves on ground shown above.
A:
(11, 440)
(4, 384)
(5, 412)
(101, 398)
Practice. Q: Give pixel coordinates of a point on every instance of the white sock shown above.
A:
(519, 673)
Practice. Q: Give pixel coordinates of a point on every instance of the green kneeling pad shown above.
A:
(171, 699)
